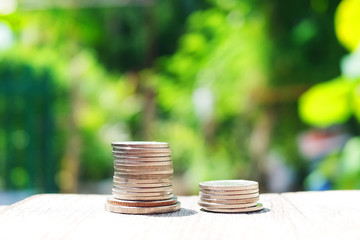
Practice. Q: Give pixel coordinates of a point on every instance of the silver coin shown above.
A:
(230, 201)
(143, 176)
(140, 144)
(142, 198)
(229, 185)
(214, 205)
(142, 150)
(142, 172)
(140, 194)
(142, 210)
(142, 163)
(142, 181)
(229, 192)
(142, 168)
(141, 189)
(140, 154)
(141, 159)
(258, 207)
(140, 185)
(242, 196)
(114, 201)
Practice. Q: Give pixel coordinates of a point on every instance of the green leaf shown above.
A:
(349, 170)
(327, 103)
(356, 101)
(351, 156)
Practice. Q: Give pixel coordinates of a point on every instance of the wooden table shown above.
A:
(301, 215)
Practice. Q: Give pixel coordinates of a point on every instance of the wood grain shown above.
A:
(302, 215)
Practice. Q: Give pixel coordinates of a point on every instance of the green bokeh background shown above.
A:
(229, 84)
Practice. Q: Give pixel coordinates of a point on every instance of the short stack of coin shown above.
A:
(142, 182)
(230, 196)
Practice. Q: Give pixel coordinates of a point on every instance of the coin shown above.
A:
(142, 189)
(142, 172)
(141, 150)
(258, 207)
(140, 185)
(142, 198)
(142, 181)
(230, 201)
(134, 149)
(242, 196)
(229, 185)
(142, 168)
(140, 154)
(228, 192)
(131, 163)
(143, 176)
(140, 159)
(139, 168)
(140, 194)
(114, 201)
(214, 205)
(132, 196)
(142, 210)
(141, 144)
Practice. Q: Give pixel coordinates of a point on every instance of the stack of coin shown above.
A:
(230, 196)
(142, 182)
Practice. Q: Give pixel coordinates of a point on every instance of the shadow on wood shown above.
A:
(264, 210)
(183, 212)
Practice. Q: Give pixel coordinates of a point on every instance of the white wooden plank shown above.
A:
(286, 216)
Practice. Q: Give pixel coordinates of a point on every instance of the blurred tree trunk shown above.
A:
(147, 90)
(71, 162)
(260, 144)
(69, 175)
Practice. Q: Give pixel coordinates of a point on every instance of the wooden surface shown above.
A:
(302, 215)
(3, 208)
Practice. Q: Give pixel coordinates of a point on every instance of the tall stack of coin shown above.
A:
(230, 196)
(142, 182)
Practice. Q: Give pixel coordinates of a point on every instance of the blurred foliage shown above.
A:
(217, 79)
(71, 43)
(335, 102)
(201, 90)
(329, 103)
(347, 23)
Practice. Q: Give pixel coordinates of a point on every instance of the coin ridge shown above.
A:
(258, 207)
(141, 185)
(134, 198)
(142, 155)
(141, 194)
(230, 201)
(142, 144)
(142, 181)
(230, 192)
(242, 205)
(147, 173)
(135, 167)
(142, 189)
(142, 150)
(130, 203)
(143, 176)
(135, 152)
(242, 196)
(142, 159)
(236, 184)
(143, 210)
(143, 163)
